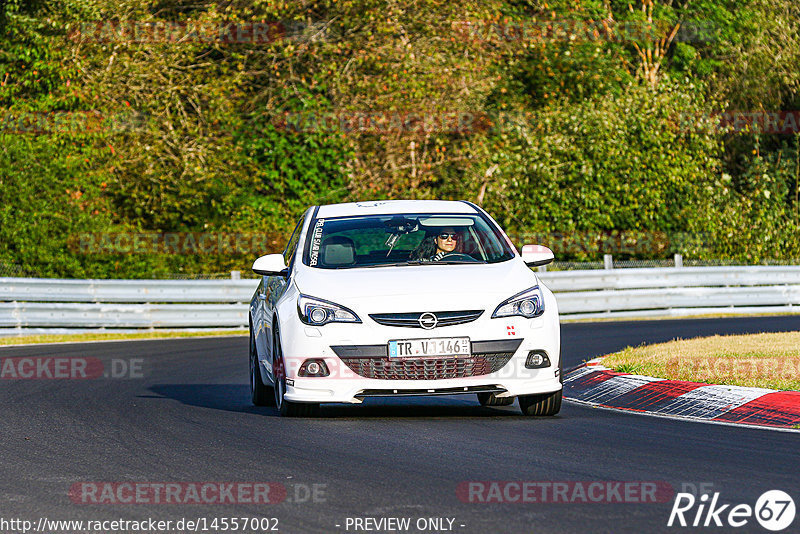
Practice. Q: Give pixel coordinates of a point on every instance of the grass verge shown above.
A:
(113, 336)
(759, 360)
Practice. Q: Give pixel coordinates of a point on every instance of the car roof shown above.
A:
(389, 207)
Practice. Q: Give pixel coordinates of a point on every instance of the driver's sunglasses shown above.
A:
(445, 236)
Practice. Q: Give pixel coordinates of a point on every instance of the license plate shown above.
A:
(430, 347)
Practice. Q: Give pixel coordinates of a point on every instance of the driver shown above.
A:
(435, 246)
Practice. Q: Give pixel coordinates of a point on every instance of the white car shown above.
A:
(403, 297)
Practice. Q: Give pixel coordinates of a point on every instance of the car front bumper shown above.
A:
(341, 347)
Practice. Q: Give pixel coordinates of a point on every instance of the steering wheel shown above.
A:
(457, 256)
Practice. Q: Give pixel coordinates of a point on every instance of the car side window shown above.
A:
(291, 247)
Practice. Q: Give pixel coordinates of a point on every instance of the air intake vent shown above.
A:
(430, 368)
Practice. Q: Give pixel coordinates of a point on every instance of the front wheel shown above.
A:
(287, 408)
(547, 404)
(260, 395)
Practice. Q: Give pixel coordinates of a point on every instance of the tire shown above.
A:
(287, 408)
(260, 395)
(541, 405)
(489, 399)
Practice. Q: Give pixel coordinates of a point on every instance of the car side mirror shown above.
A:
(270, 265)
(536, 255)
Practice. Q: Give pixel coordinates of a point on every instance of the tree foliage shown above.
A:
(560, 117)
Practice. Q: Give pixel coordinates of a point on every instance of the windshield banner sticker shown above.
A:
(316, 241)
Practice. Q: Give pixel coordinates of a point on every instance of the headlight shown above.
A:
(317, 312)
(529, 303)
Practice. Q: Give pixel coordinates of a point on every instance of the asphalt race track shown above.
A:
(189, 419)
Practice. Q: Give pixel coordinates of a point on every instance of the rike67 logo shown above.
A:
(774, 510)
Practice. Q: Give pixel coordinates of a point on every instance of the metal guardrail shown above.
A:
(79, 315)
(561, 281)
(675, 291)
(36, 303)
(169, 291)
(28, 304)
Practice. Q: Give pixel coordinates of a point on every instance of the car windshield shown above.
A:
(409, 239)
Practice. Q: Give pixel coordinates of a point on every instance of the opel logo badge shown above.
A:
(428, 321)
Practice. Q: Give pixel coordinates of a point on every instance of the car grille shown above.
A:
(411, 320)
(428, 368)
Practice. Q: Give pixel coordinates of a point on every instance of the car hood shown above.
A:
(415, 288)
